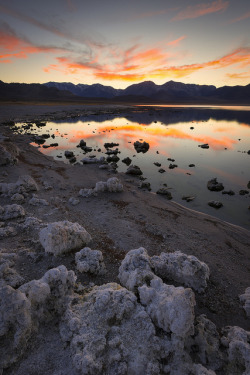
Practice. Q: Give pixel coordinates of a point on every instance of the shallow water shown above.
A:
(170, 135)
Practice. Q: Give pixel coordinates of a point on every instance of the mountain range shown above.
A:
(145, 92)
(169, 92)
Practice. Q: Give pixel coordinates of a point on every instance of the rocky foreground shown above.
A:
(100, 277)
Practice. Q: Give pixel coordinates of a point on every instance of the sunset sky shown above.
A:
(117, 43)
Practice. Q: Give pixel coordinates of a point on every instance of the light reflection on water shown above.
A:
(170, 135)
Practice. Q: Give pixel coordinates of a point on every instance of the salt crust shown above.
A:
(63, 236)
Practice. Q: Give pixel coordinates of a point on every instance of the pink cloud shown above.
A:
(176, 42)
(241, 18)
(199, 10)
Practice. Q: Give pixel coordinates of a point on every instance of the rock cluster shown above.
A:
(112, 185)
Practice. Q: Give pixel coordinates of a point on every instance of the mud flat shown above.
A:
(115, 280)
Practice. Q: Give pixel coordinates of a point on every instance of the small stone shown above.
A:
(215, 204)
(165, 192)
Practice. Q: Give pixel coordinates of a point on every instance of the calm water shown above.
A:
(170, 135)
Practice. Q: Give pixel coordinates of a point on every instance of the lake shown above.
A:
(172, 133)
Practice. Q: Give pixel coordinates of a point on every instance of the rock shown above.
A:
(145, 185)
(113, 158)
(31, 223)
(38, 139)
(182, 268)
(228, 192)
(188, 198)
(7, 232)
(35, 201)
(104, 166)
(157, 164)
(243, 192)
(170, 308)
(89, 160)
(134, 170)
(248, 152)
(85, 193)
(141, 146)
(110, 333)
(191, 165)
(236, 340)
(17, 198)
(245, 298)
(248, 185)
(161, 170)
(205, 145)
(164, 191)
(82, 143)
(114, 185)
(72, 160)
(63, 236)
(135, 269)
(91, 261)
(11, 212)
(127, 161)
(213, 185)
(215, 204)
(7, 270)
(169, 159)
(24, 184)
(54, 145)
(110, 145)
(172, 166)
(74, 201)
(15, 326)
(8, 153)
(69, 154)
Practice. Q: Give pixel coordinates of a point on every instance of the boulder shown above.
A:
(7, 270)
(164, 191)
(94, 160)
(91, 261)
(215, 204)
(134, 170)
(8, 153)
(112, 185)
(141, 146)
(24, 184)
(213, 185)
(127, 161)
(69, 154)
(170, 308)
(182, 268)
(63, 236)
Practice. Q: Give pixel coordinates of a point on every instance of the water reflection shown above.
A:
(172, 133)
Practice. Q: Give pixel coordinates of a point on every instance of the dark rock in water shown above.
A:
(113, 158)
(191, 127)
(110, 145)
(172, 166)
(205, 145)
(46, 146)
(145, 185)
(188, 198)
(54, 145)
(127, 161)
(157, 164)
(69, 154)
(243, 192)
(45, 136)
(191, 165)
(59, 156)
(86, 149)
(215, 204)
(248, 152)
(40, 124)
(39, 140)
(112, 152)
(141, 146)
(228, 192)
(53, 136)
(82, 143)
(161, 170)
(171, 159)
(213, 185)
(72, 160)
(165, 192)
(134, 170)
(248, 185)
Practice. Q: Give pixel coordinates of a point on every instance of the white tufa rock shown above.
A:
(170, 308)
(17, 198)
(185, 269)
(73, 201)
(7, 270)
(24, 184)
(237, 341)
(7, 231)
(89, 160)
(112, 185)
(8, 153)
(12, 211)
(35, 201)
(110, 333)
(135, 269)
(63, 236)
(245, 298)
(91, 261)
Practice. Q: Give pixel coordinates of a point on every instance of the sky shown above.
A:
(118, 43)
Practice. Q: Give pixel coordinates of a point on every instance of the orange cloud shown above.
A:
(244, 75)
(176, 42)
(241, 18)
(201, 10)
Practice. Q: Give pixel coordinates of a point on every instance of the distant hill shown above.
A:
(33, 92)
(170, 92)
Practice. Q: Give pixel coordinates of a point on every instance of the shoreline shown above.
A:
(119, 222)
